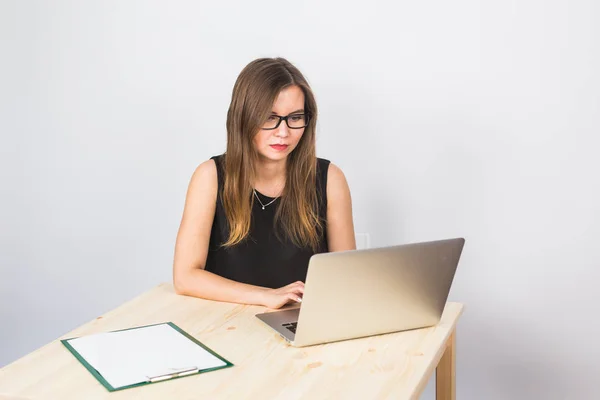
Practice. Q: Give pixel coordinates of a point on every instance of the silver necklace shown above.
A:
(264, 205)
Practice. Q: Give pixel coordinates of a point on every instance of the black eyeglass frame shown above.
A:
(306, 121)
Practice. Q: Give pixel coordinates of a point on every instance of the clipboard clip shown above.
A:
(175, 374)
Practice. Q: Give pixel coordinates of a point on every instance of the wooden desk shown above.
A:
(394, 366)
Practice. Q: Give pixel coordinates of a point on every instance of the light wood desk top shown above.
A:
(395, 366)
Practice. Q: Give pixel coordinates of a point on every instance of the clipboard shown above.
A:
(143, 355)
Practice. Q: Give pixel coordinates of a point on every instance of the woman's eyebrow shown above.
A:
(293, 112)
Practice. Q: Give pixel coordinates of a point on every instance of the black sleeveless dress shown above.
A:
(262, 259)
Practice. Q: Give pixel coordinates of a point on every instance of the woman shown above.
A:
(254, 215)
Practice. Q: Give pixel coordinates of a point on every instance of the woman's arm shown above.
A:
(340, 228)
(191, 250)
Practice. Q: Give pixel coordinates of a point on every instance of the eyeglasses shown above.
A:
(293, 121)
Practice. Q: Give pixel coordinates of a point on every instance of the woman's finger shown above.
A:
(297, 290)
(295, 297)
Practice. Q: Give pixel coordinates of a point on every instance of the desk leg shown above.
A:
(445, 374)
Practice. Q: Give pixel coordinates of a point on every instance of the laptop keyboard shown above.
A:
(291, 326)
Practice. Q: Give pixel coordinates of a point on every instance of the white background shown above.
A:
(449, 118)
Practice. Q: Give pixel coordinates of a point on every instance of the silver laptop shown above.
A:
(360, 293)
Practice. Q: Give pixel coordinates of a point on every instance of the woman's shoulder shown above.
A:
(331, 173)
(335, 173)
(209, 165)
(206, 172)
(327, 168)
(322, 166)
(218, 159)
(323, 161)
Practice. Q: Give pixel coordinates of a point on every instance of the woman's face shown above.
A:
(276, 144)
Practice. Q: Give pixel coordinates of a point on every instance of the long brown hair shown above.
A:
(254, 93)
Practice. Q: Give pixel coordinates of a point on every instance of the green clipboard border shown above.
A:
(110, 388)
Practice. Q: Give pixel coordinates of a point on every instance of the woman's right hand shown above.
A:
(277, 298)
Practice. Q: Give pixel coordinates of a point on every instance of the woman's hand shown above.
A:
(277, 298)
